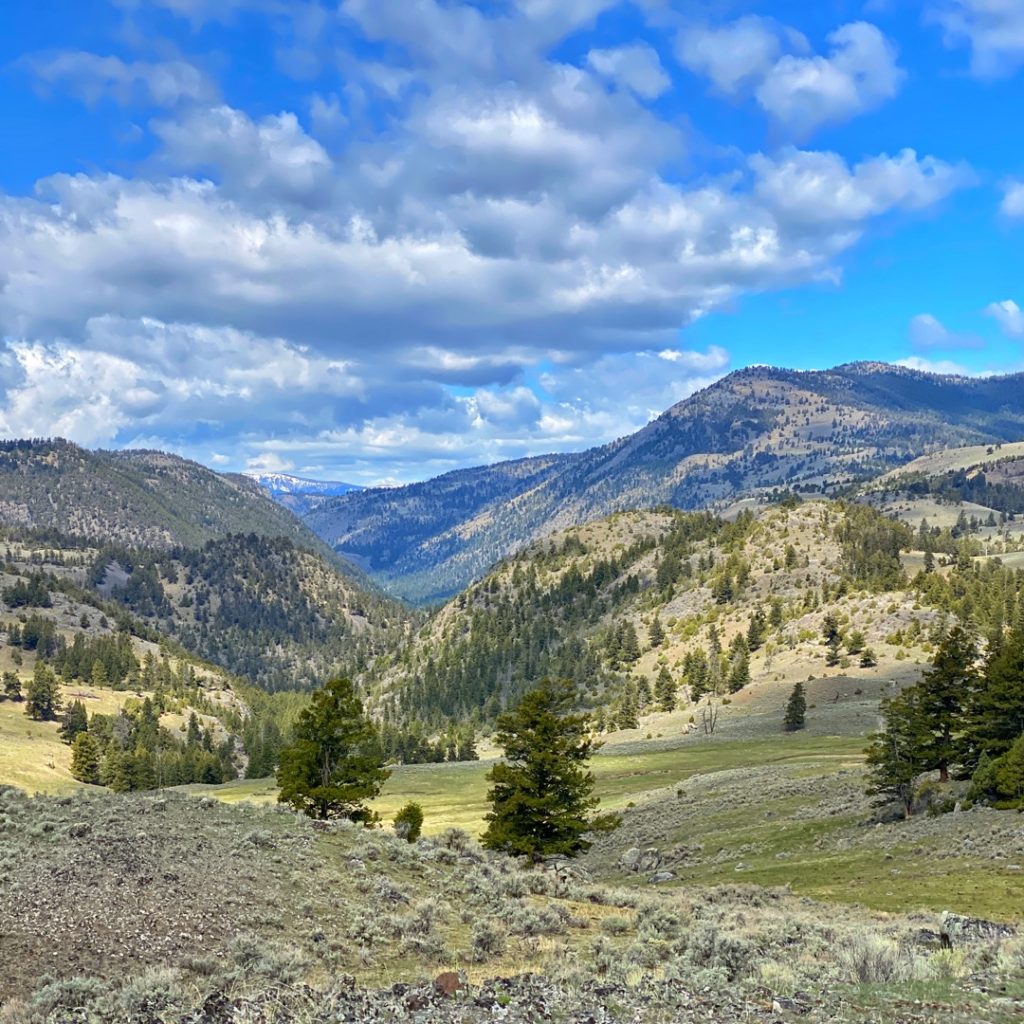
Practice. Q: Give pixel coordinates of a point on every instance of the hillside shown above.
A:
(613, 603)
(369, 920)
(756, 430)
(107, 661)
(136, 498)
(261, 607)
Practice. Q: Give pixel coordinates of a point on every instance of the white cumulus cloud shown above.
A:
(859, 74)
(1013, 200)
(1009, 316)
(993, 30)
(93, 77)
(635, 67)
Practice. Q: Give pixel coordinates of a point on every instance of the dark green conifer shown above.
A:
(42, 694)
(85, 759)
(541, 794)
(796, 710)
(334, 764)
(665, 690)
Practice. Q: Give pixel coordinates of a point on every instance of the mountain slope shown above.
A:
(133, 497)
(613, 603)
(209, 560)
(755, 430)
(261, 607)
(297, 493)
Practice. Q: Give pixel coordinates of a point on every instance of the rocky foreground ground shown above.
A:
(158, 908)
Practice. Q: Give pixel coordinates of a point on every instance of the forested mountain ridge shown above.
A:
(692, 605)
(261, 607)
(138, 498)
(755, 430)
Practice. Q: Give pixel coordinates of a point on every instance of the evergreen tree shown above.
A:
(796, 710)
(895, 756)
(996, 708)
(42, 695)
(665, 690)
(99, 677)
(695, 665)
(467, 747)
(76, 720)
(334, 764)
(85, 759)
(643, 693)
(830, 628)
(629, 645)
(116, 770)
(868, 658)
(11, 686)
(629, 713)
(943, 692)
(723, 589)
(1001, 780)
(855, 642)
(542, 793)
(756, 631)
(409, 822)
(656, 634)
(739, 664)
(714, 680)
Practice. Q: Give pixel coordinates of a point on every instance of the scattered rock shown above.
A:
(958, 930)
(449, 983)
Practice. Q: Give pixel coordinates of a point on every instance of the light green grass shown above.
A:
(32, 755)
(455, 795)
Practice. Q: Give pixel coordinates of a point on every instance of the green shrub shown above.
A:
(409, 822)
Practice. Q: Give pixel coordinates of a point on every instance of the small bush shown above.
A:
(874, 959)
(409, 822)
(615, 925)
(488, 941)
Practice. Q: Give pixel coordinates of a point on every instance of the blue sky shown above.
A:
(379, 239)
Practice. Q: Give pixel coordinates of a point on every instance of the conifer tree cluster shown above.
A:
(130, 750)
(964, 718)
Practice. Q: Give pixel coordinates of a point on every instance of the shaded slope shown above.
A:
(757, 429)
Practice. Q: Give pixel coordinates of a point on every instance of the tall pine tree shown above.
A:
(334, 764)
(541, 794)
(995, 716)
(42, 694)
(796, 710)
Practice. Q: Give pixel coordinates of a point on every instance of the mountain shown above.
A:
(278, 615)
(614, 603)
(208, 560)
(136, 498)
(297, 493)
(756, 430)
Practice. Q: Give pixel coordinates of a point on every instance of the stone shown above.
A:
(661, 876)
(629, 860)
(448, 984)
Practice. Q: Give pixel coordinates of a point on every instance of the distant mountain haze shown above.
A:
(298, 493)
(756, 429)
